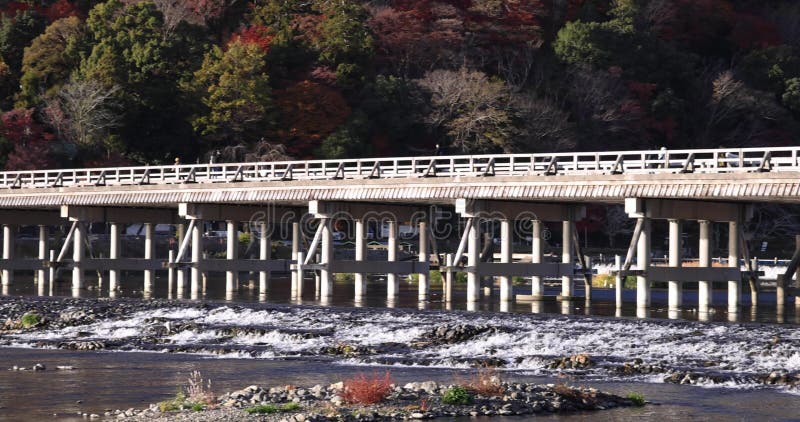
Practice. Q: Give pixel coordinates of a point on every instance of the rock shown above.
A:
(417, 415)
(336, 386)
(65, 367)
(39, 367)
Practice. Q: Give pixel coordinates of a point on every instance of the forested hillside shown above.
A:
(93, 83)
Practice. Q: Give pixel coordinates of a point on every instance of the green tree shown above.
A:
(791, 97)
(50, 59)
(345, 42)
(234, 90)
(132, 48)
(16, 32)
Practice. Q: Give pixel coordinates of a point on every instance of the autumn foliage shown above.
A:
(309, 112)
(28, 140)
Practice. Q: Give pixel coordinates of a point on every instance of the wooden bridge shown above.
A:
(671, 185)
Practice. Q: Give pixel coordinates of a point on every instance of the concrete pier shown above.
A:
(231, 254)
(734, 286)
(9, 243)
(537, 283)
(114, 253)
(297, 280)
(675, 288)
(423, 285)
(78, 254)
(704, 287)
(264, 253)
(197, 257)
(392, 280)
(506, 288)
(41, 274)
(326, 258)
(473, 275)
(149, 253)
(566, 258)
(360, 279)
(642, 263)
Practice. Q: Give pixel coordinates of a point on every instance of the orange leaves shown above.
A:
(254, 35)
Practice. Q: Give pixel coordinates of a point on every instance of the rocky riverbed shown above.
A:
(416, 400)
(592, 348)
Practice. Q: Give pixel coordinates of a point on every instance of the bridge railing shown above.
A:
(734, 160)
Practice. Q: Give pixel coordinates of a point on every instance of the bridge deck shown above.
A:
(747, 175)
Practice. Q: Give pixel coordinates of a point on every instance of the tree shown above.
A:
(50, 59)
(234, 90)
(309, 113)
(84, 112)
(345, 42)
(29, 142)
(791, 97)
(470, 108)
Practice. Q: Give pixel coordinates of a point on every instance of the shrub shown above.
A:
(363, 389)
(175, 404)
(31, 319)
(434, 277)
(461, 278)
(457, 395)
(245, 238)
(261, 409)
(199, 391)
(486, 382)
(630, 282)
(344, 278)
(519, 280)
(603, 280)
(197, 407)
(636, 398)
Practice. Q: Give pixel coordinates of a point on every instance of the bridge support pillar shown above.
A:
(326, 257)
(197, 257)
(473, 256)
(360, 279)
(448, 279)
(734, 286)
(78, 253)
(113, 253)
(264, 253)
(231, 253)
(9, 237)
(566, 258)
(537, 285)
(297, 279)
(675, 288)
(424, 287)
(41, 275)
(704, 287)
(149, 253)
(506, 288)
(392, 280)
(642, 262)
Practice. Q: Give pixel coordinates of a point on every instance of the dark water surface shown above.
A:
(109, 380)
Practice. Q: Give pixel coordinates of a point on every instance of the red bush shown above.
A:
(363, 389)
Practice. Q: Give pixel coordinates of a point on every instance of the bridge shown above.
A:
(675, 186)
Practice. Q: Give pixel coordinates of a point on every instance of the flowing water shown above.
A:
(247, 339)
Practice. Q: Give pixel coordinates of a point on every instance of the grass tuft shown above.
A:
(457, 396)
(30, 319)
(636, 398)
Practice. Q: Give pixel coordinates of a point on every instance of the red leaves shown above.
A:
(59, 10)
(363, 389)
(256, 35)
(29, 141)
(309, 113)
